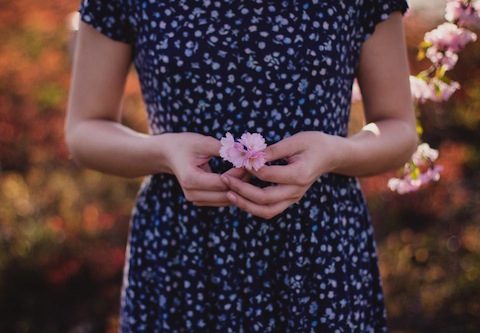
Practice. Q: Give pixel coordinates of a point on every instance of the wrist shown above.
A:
(161, 150)
(332, 154)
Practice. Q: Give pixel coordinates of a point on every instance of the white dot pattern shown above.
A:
(273, 67)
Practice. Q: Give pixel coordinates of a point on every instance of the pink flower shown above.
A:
(402, 186)
(420, 89)
(248, 152)
(421, 170)
(442, 91)
(424, 154)
(449, 36)
(432, 174)
(255, 159)
(463, 13)
(232, 151)
(227, 143)
(237, 155)
(447, 59)
(408, 184)
(435, 90)
(454, 10)
(253, 141)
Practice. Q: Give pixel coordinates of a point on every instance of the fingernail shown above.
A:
(231, 197)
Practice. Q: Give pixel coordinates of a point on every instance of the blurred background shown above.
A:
(63, 230)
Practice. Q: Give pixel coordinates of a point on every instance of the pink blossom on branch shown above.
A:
(432, 174)
(420, 89)
(446, 59)
(424, 154)
(434, 89)
(419, 171)
(404, 185)
(463, 12)
(442, 91)
(440, 46)
(408, 184)
(449, 37)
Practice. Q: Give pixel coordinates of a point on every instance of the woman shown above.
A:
(287, 248)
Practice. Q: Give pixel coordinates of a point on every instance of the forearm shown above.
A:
(379, 147)
(390, 137)
(109, 147)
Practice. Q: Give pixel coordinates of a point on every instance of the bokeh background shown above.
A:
(63, 229)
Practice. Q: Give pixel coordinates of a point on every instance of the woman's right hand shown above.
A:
(187, 156)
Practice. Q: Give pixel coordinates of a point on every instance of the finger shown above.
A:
(236, 172)
(263, 196)
(209, 145)
(281, 149)
(197, 179)
(284, 174)
(206, 196)
(263, 211)
(212, 204)
(239, 173)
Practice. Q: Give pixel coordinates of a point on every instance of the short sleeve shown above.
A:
(110, 17)
(376, 11)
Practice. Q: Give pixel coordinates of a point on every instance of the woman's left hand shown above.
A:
(308, 156)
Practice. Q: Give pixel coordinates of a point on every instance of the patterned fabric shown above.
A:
(273, 67)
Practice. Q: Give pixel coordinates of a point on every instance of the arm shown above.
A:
(389, 138)
(94, 135)
(98, 140)
(386, 142)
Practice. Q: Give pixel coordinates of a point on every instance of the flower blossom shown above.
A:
(462, 12)
(420, 171)
(442, 91)
(449, 37)
(434, 89)
(432, 174)
(420, 89)
(440, 46)
(405, 185)
(253, 142)
(248, 151)
(424, 154)
(447, 59)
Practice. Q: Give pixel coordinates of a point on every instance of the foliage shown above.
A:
(63, 230)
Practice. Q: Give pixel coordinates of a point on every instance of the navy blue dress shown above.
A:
(273, 67)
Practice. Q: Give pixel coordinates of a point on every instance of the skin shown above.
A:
(97, 139)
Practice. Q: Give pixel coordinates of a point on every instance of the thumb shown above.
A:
(279, 150)
(209, 146)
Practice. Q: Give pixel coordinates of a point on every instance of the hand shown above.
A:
(308, 156)
(187, 156)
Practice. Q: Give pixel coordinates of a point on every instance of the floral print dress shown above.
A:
(272, 67)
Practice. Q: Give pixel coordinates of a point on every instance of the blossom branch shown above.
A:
(441, 47)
